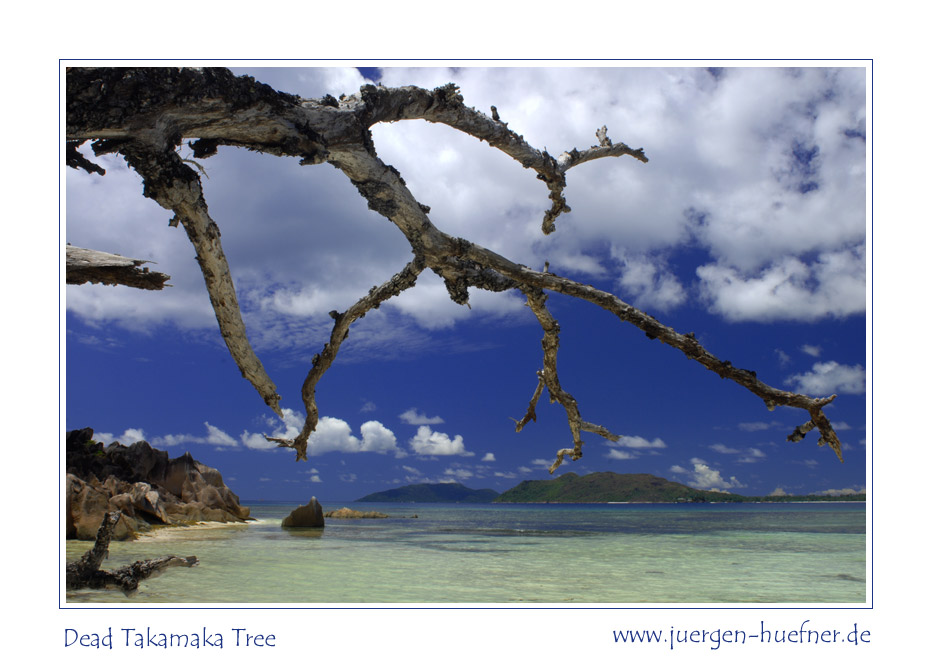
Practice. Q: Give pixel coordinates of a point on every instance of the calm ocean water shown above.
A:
(543, 553)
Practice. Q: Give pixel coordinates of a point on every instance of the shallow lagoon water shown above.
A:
(512, 554)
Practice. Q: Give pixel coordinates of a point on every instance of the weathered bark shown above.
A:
(322, 361)
(86, 571)
(85, 265)
(143, 113)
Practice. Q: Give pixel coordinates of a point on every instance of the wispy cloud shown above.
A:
(414, 417)
(616, 454)
(639, 442)
(827, 378)
(722, 448)
(748, 455)
(751, 455)
(214, 436)
(835, 492)
(758, 426)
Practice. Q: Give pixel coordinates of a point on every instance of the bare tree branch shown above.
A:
(143, 114)
(445, 105)
(177, 187)
(531, 413)
(687, 343)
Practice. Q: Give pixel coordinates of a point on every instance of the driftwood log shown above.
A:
(86, 572)
(143, 114)
(88, 266)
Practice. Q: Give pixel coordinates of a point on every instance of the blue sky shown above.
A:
(748, 227)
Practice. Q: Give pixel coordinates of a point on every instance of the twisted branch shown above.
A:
(536, 300)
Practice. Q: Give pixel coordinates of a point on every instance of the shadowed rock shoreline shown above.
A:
(143, 484)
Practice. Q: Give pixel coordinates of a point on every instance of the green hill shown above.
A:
(433, 492)
(610, 487)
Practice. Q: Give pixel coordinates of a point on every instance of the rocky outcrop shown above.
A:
(346, 512)
(309, 515)
(143, 484)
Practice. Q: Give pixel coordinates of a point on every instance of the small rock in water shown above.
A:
(309, 515)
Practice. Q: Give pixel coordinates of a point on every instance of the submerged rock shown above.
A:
(309, 515)
(351, 513)
(143, 484)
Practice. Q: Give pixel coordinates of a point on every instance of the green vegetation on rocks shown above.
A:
(645, 488)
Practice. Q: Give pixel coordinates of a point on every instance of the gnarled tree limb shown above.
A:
(143, 114)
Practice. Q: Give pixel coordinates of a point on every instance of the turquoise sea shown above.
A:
(512, 554)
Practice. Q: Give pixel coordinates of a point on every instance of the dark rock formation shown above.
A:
(309, 515)
(144, 484)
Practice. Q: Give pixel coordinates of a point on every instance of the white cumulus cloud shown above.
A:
(703, 477)
(428, 442)
(335, 434)
(650, 284)
(788, 288)
(331, 435)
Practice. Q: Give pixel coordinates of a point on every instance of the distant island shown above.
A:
(433, 492)
(608, 487)
(601, 487)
